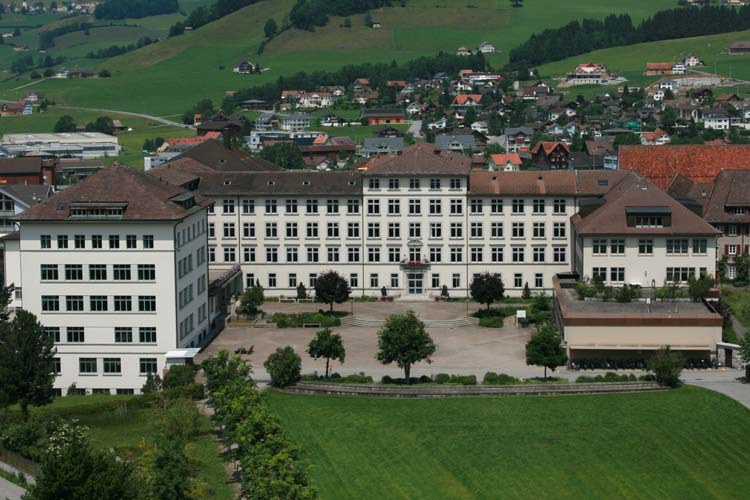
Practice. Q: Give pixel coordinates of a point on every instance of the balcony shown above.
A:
(412, 265)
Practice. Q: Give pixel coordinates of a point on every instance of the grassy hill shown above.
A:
(648, 445)
(630, 61)
(167, 77)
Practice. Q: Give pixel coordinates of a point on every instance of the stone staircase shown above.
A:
(429, 323)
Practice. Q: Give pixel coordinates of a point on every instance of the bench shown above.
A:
(284, 298)
(310, 325)
(308, 299)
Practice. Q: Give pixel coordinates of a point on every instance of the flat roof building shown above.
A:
(83, 145)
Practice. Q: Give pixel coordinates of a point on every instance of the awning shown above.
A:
(182, 353)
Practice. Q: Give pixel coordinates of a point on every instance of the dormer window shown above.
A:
(96, 211)
(305, 183)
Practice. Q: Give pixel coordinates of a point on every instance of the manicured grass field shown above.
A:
(630, 61)
(687, 443)
(739, 300)
(170, 76)
(128, 427)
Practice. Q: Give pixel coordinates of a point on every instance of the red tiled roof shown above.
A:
(652, 136)
(659, 65)
(461, 99)
(502, 159)
(549, 147)
(699, 163)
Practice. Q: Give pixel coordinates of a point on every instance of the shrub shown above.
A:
(178, 376)
(667, 366)
(442, 378)
(250, 300)
(284, 367)
(492, 378)
(584, 290)
(491, 322)
(464, 379)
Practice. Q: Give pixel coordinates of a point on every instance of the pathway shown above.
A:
(31, 83)
(130, 113)
(415, 128)
(10, 491)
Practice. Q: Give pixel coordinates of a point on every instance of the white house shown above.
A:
(117, 276)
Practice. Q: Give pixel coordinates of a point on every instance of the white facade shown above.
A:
(411, 234)
(117, 296)
(645, 260)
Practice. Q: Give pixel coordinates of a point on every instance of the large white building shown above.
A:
(83, 145)
(115, 268)
(411, 223)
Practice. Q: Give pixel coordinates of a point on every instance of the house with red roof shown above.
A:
(547, 155)
(699, 163)
(463, 102)
(506, 162)
(658, 68)
(656, 138)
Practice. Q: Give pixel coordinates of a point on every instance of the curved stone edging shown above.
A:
(398, 391)
(429, 323)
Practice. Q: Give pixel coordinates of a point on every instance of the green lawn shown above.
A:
(169, 76)
(630, 61)
(687, 443)
(127, 427)
(739, 301)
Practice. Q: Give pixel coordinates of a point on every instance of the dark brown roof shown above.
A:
(700, 163)
(635, 192)
(214, 155)
(420, 158)
(730, 189)
(683, 189)
(293, 183)
(21, 166)
(145, 197)
(563, 182)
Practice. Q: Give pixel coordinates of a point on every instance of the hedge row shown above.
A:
(614, 377)
(271, 465)
(440, 379)
(297, 320)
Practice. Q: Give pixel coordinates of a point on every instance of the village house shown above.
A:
(588, 74)
(739, 48)
(656, 138)
(515, 139)
(316, 100)
(463, 51)
(383, 116)
(16, 108)
(379, 146)
(332, 120)
(716, 119)
(245, 68)
(486, 48)
(658, 68)
(463, 102)
(550, 155)
(506, 162)
(692, 61)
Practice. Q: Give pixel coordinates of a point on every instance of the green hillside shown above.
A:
(630, 61)
(167, 77)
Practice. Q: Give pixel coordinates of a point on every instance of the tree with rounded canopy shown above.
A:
(327, 345)
(486, 288)
(545, 348)
(403, 340)
(284, 366)
(271, 28)
(27, 369)
(331, 288)
(65, 124)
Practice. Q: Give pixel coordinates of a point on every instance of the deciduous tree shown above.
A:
(284, 366)
(331, 288)
(404, 340)
(545, 349)
(486, 288)
(327, 345)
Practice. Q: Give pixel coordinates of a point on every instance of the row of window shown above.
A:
(110, 366)
(98, 272)
(435, 206)
(414, 183)
(392, 282)
(476, 254)
(189, 233)
(646, 247)
(434, 230)
(122, 334)
(96, 241)
(98, 303)
(673, 274)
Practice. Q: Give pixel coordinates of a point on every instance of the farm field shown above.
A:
(169, 76)
(687, 443)
(630, 61)
(123, 424)
(132, 141)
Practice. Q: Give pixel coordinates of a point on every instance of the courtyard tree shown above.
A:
(403, 340)
(223, 368)
(331, 288)
(27, 367)
(545, 348)
(250, 300)
(486, 288)
(327, 345)
(284, 366)
(667, 366)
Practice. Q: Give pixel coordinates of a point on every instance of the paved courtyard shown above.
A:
(462, 350)
(466, 349)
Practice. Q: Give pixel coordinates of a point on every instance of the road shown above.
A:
(415, 128)
(10, 491)
(130, 113)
